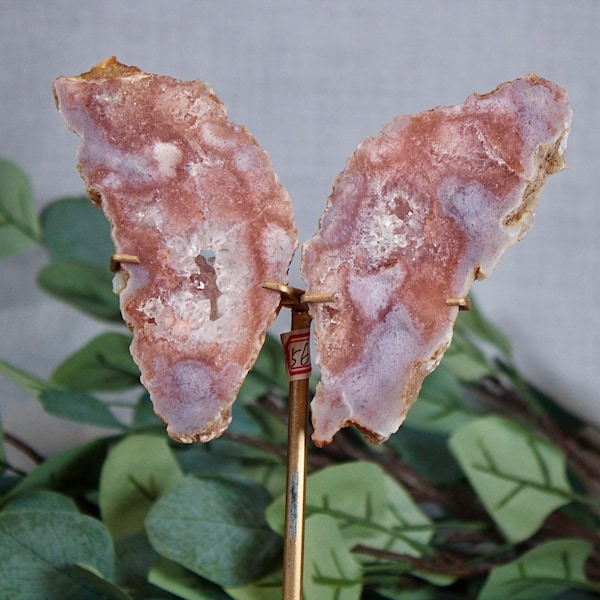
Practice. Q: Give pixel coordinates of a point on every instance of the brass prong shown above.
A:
(462, 303)
(314, 298)
(290, 296)
(295, 295)
(116, 260)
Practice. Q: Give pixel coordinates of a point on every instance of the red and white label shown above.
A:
(296, 347)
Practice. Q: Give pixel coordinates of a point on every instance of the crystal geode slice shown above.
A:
(418, 213)
(193, 196)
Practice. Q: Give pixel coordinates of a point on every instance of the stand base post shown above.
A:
(293, 554)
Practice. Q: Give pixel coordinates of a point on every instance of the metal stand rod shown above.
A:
(293, 553)
(298, 368)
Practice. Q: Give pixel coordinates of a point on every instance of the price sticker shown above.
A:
(296, 347)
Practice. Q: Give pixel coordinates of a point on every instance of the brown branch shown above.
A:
(592, 567)
(268, 447)
(583, 462)
(274, 405)
(557, 524)
(459, 499)
(446, 563)
(451, 499)
(316, 460)
(24, 448)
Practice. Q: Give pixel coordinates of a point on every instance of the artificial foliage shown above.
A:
(488, 491)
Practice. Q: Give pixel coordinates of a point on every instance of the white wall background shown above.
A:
(311, 79)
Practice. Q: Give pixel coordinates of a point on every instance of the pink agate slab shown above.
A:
(419, 212)
(194, 197)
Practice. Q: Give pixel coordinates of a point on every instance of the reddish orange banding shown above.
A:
(194, 197)
(419, 211)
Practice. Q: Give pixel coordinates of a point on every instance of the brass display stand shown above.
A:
(298, 368)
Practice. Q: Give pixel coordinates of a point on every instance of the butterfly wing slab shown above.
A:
(419, 212)
(193, 196)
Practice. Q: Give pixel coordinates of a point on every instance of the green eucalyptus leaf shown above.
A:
(255, 592)
(104, 363)
(137, 471)
(539, 402)
(87, 287)
(227, 458)
(134, 558)
(370, 508)
(473, 323)
(73, 228)
(440, 407)
(269, 474)
(578, 595)
(42, 500)
(19, 228)
(354, 493)
(423, 593)
(228, 516)
(519, 476)
(268, 588)
(466, 360)
(570, 423)
(268, 372)
(39, 548)
(12, 241)
(549, 569)
(330, 570)
(582, 513)
(79, 407)
(95, 585)
(244, 420)
(385, 593)
(409, 530)
(428, 454)
(217, 457)
(30, 383)
(7, 483)
(270, 426)
(2, 451)
(66, 404)
(143, 412)
(172, 577)
(73, 471)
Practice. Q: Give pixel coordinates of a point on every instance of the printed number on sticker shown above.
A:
(296, 346)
